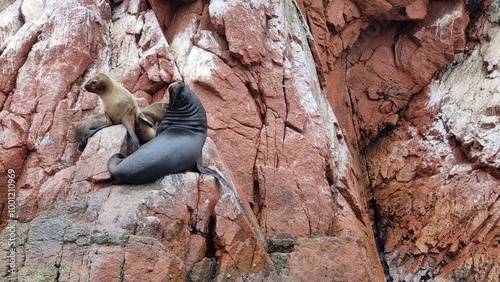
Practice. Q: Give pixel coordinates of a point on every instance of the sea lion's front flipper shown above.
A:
(145, 119)
(129, 123)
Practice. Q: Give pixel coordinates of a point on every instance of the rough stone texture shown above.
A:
(348, 162)
(436, 177)
(386, 67)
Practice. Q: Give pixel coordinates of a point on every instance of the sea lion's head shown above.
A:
(98, 83)
(184, 111)
(178, 95)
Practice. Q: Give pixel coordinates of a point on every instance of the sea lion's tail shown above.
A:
(205, 170)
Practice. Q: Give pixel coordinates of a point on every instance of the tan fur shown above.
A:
(145, 131)
(119, 105)
(154, 113)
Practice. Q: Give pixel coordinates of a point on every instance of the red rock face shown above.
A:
(344, 155)
(393, 61)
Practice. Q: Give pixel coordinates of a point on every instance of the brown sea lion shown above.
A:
(148, 120)
(119, 105)
(145, 125)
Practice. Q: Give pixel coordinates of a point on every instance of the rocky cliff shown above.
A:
(361, 139)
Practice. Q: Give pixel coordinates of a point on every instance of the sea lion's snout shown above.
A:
(175, 87)
(88, 87)
(173, 91)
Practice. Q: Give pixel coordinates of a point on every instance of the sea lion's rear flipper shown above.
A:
(205, 170)
(113, 164)
(145, 119)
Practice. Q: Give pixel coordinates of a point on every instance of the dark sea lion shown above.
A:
(119, 105)
(176, 148)
(87, 127)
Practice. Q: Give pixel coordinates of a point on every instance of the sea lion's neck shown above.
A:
(191, 118)
(107, 98)
(108, 94)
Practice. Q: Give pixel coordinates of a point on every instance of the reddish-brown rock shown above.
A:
(386, 67)
(342, 153)
(436, 178)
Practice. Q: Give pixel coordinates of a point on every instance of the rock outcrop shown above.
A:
(361, 140)
(435, 177)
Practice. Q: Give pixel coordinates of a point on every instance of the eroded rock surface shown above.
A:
(435, 178)
(322, 115)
